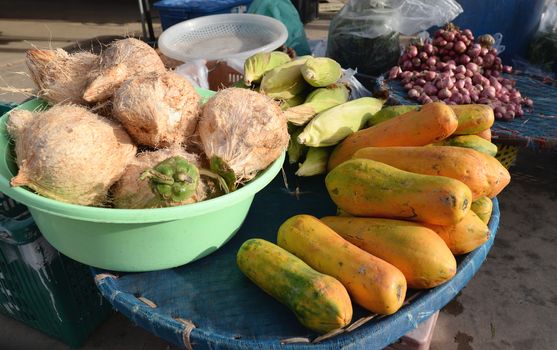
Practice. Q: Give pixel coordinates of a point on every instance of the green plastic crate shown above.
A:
(39, 286)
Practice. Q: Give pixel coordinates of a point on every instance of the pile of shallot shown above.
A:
(456, 69)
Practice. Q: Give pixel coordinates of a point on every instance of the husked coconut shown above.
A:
(69, 154)
(122, 60)
(132, 193)
(243, 128)
(17, 122)
(157, 109)
(61, 77)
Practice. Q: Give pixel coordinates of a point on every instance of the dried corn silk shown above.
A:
(61, 77)
(157, 109)
(245, 129)
(122, 60)
(70, 154)
(132, 193)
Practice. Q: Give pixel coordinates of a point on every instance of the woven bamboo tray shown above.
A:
(210, 304)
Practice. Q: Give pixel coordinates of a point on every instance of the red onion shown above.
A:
(413, 93)
(430, 89)
(430, 75)
(489, 92)
(460, 69)
(407, 65)
(504, 98)
(460, 84)
(444, 93)
(394, 72)
(468, 34)
(478, 60)
(460, 47)
(489, 59)
(475, 50)
(464, 59)
(456, 98)
(449, 35)
(472, 67)
(441, 65)
(453, 68)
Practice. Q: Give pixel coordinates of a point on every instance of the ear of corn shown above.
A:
(317, 101)
(292, 102)
(331, 126)
(295, 150)
(315, 163)
(285, 81)
(260, 63)
(321, 71)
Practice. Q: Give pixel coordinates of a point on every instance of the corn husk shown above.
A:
(295, 150)
(260, 63)
(157, 109)
(316, 102)
(70, 154)
(244, 129)
(61, 77)
(122, 60)
(292, 102)
(285, 81)
(321, 71)
(331, 126)
(132, 193)
(315, 162)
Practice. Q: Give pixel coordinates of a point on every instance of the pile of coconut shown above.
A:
(122, 131)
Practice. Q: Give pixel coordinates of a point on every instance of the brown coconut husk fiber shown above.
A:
(157, 109)
(122, 60)
(245, 129)
(69, 154)
(61, 77)
(132, 193)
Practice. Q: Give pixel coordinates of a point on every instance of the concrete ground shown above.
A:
(510, 304)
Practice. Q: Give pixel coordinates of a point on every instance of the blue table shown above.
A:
(211, 305)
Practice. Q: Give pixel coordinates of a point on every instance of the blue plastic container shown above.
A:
(517, 20)
(176, 11)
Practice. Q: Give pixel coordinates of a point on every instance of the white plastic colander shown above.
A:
(219, 37)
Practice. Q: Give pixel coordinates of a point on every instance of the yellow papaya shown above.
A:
(372, 282)
(364, 187)
(418, 252)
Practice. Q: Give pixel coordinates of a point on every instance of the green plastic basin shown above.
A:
(133, 240)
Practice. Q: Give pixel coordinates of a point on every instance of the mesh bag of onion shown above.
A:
(456, 68)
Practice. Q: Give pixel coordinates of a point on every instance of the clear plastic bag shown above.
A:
(543, 47)
(195, 72)
(364, 34)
